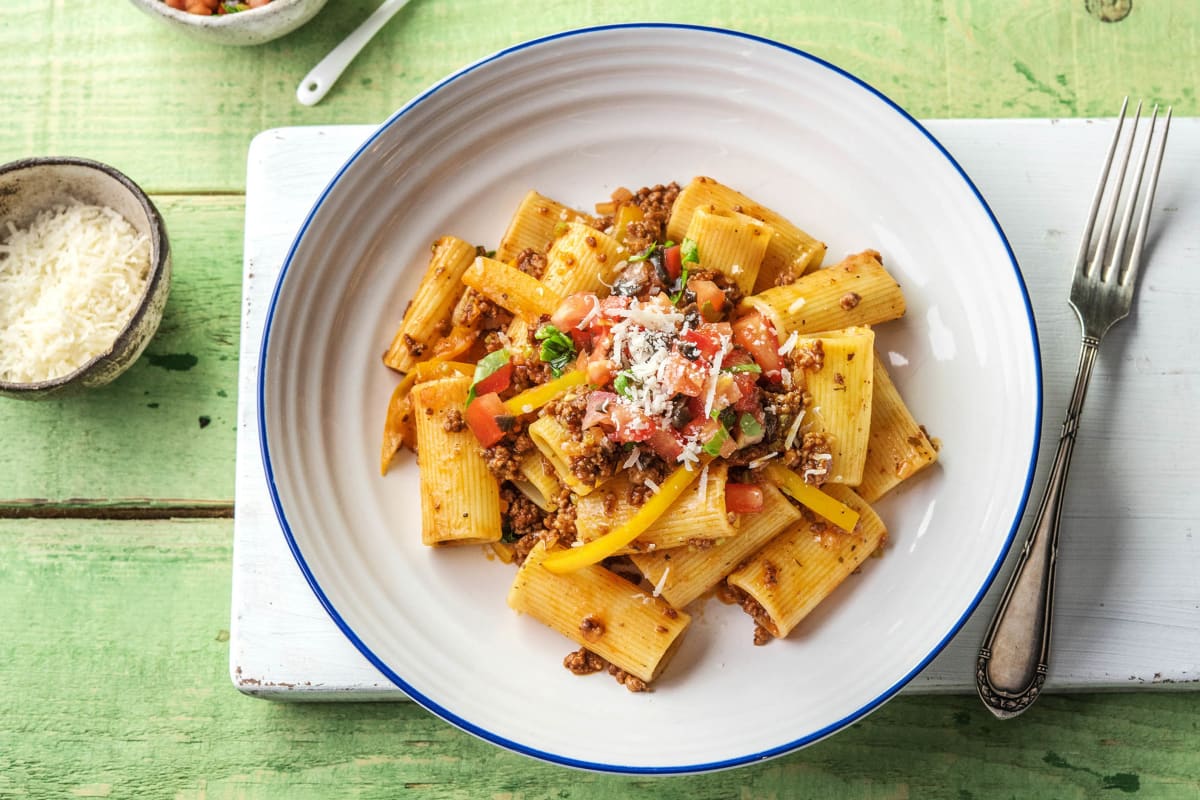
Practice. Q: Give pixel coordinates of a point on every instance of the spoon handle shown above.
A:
(320, 80)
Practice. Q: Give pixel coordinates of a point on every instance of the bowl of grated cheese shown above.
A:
(85, 269)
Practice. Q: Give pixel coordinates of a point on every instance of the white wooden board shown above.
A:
(1127, 609)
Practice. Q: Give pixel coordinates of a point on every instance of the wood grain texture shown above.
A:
(113, 657)
(114, 635)
(178, 401)
(92, 79)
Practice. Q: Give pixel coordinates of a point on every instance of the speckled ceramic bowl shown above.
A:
(32, 185)
(254, 26)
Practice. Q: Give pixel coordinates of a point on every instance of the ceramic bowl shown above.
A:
(35, 184)
(255, 26)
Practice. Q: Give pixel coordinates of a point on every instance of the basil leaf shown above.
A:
(749, 425)
(642, 256)
(752, 367)
(713, 446)
(485, 367)
(623, 383)
(689, 252)
(558, 349)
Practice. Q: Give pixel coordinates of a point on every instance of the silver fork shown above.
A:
(1015, 652)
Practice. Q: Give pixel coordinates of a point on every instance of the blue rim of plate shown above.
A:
(517, 747)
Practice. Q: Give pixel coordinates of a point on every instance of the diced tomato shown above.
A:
(727, 392)
(746, 380)
(498, 381)
(673, 262)
(709, 298)
(681, 376)
(757, 335)
(598, 406)
(665, 443)
(743, 498)
(707, 342)
(600, 371)
(582, 340)
(488, 418)
(573, 310)
(629, 424)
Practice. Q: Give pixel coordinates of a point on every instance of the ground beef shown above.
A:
(560, 524)
(653, 469)
(452, 421)
(630, 682)
(598, 457)
(762, 621)
(656, 203)
(475, 311)
(809, 356)
(806, 458)
(528, 370)
(531, 262)
(504, 458)
(849, 300)
(521, 515)
(584, 662)
(733, 295)
(599, 460)
(788, 276)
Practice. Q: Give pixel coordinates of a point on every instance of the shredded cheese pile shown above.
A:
(68, 285)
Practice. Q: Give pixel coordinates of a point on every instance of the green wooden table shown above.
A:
(116, 508)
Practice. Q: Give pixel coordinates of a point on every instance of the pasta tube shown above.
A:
(800, 567)
(812, 498)
(730, 243)
(430, 309)
(555, 443)
(581, 260)
(600, 549)
(600, 611)
(841, 400)
(511, 289)
(697, 516)
(899, 448)
(684, 574)
(791, 251)
(460, 500)
(857, 291)
(534, 225)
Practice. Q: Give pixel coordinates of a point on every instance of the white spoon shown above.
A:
(325, 74)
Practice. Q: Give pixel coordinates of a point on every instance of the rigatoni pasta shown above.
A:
(669, 400)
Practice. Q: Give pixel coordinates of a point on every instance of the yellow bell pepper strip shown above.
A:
(595, 551)
(398, 428)
(812, 498)
(533, 399)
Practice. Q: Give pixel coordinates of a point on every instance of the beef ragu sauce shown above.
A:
(657, 377)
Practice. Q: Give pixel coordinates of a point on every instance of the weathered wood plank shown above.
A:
(165, 429)
(102, 80)
(113, 660)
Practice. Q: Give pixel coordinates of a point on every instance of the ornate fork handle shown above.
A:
(1012, 661)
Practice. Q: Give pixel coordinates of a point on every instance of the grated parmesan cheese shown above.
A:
(69, 283)
(661, 582)
(787, 346)
(792, 431)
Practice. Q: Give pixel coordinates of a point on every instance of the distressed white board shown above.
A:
(1127, 611)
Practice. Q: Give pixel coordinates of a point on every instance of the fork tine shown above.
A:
(1135, 185)
(1097, 266)
(1139, 238)
(1085, 241)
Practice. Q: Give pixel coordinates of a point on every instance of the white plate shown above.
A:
(574, 116)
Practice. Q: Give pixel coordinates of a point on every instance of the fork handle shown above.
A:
(1015, 652)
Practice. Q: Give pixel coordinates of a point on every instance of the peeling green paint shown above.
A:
(174, 362)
